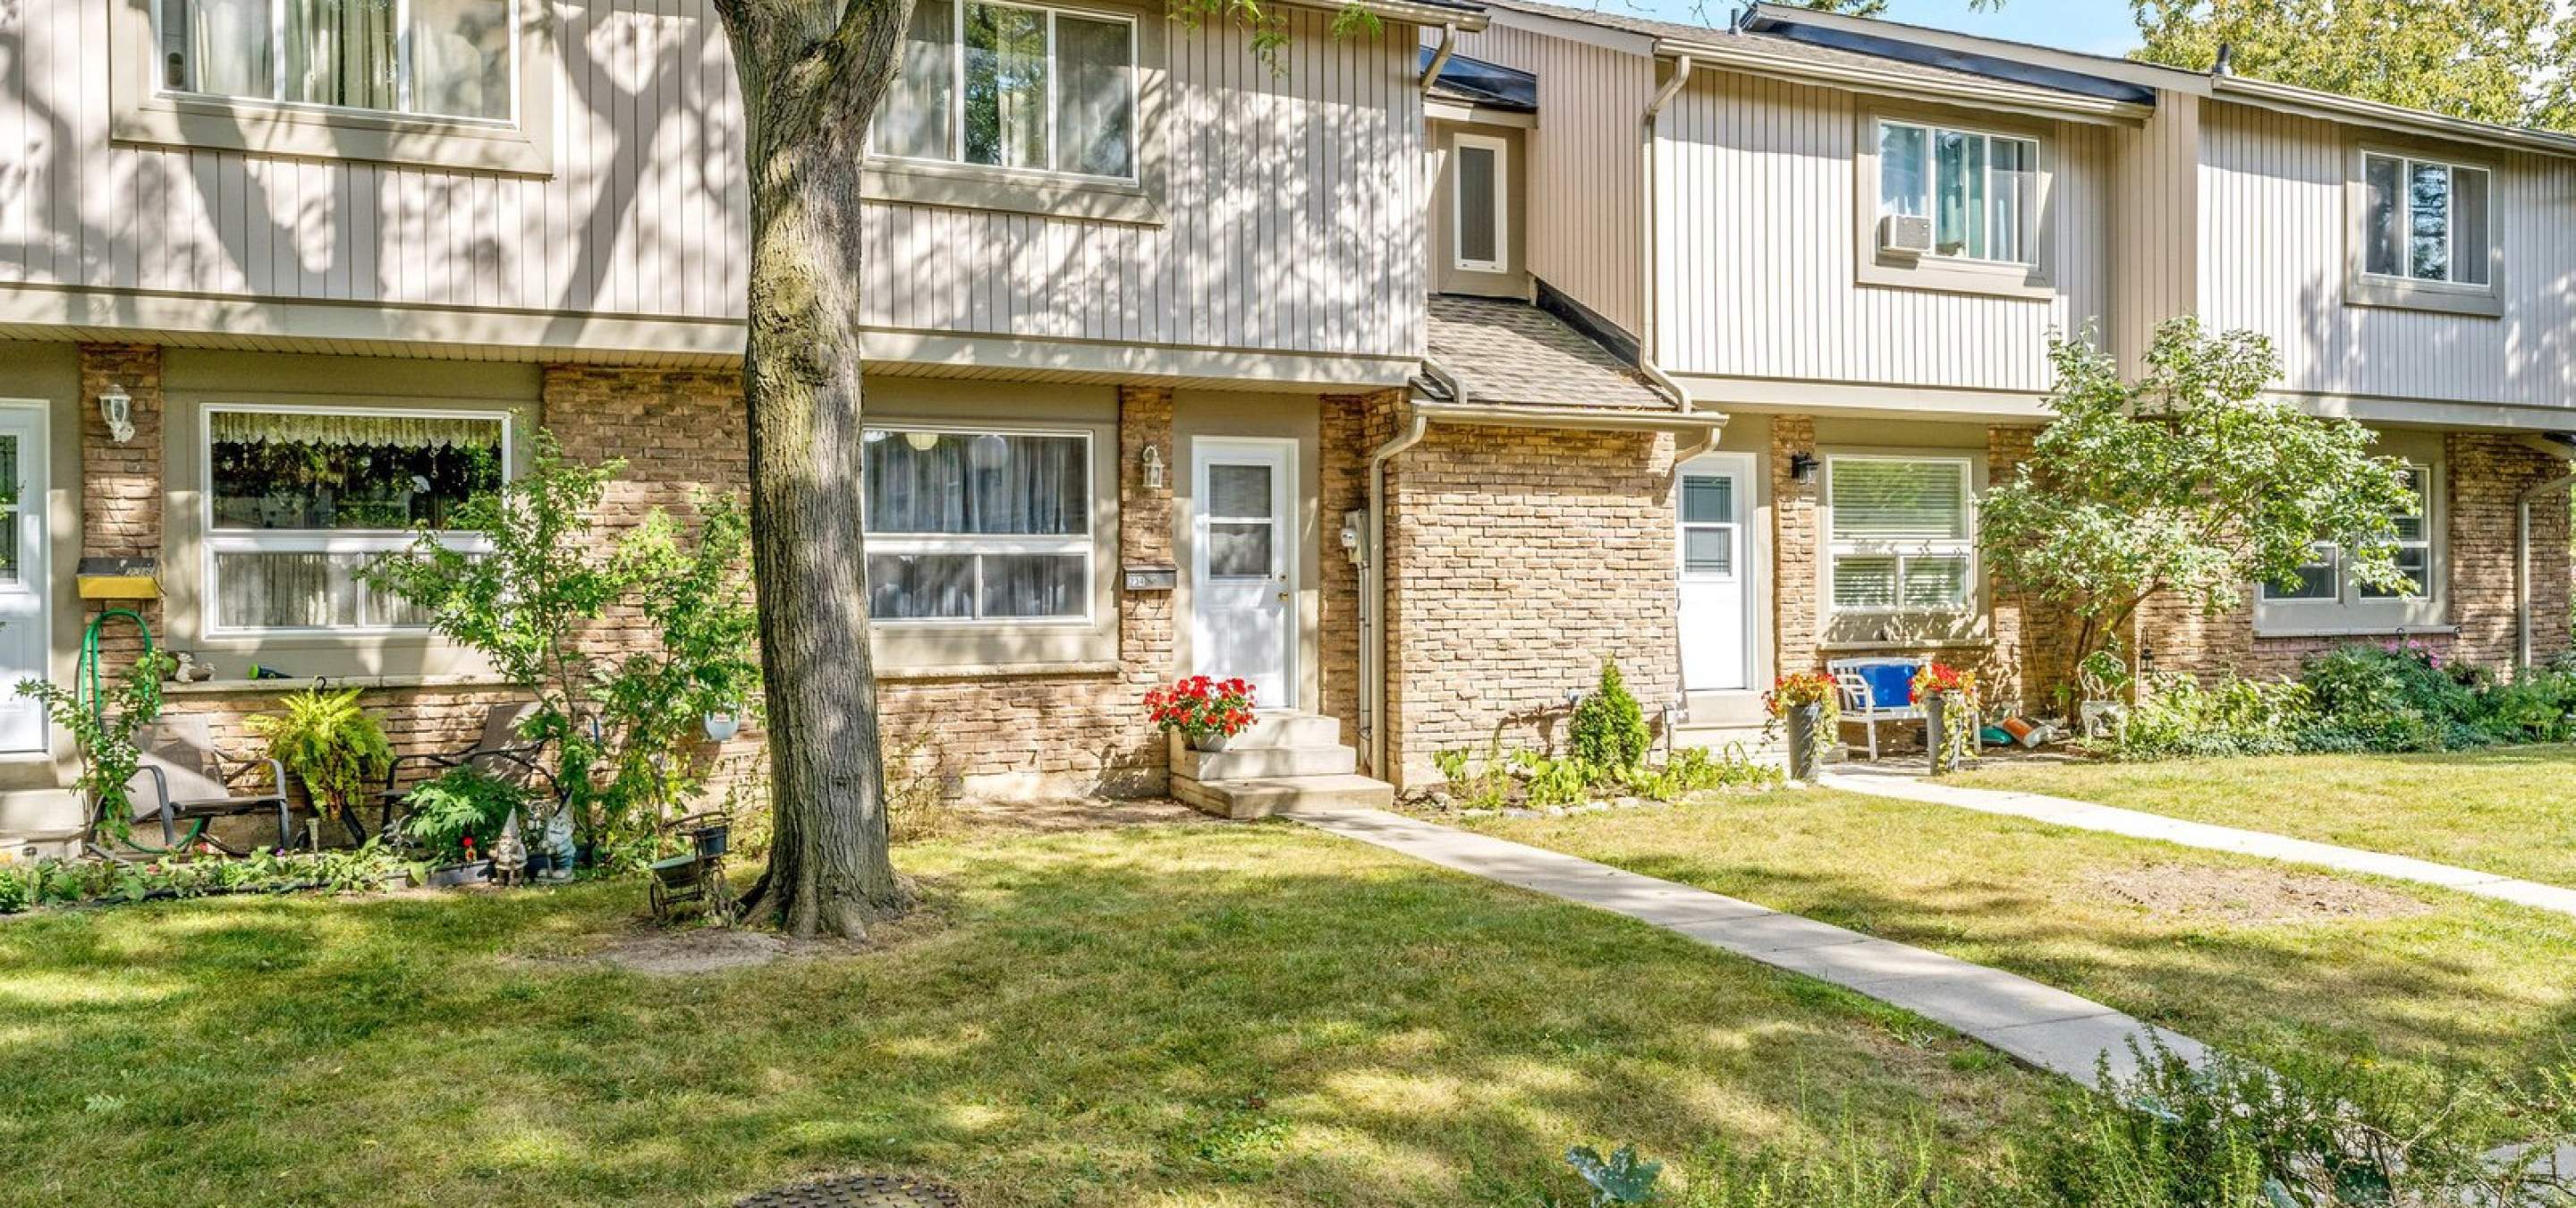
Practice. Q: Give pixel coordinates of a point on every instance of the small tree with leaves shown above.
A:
(2186, 482)
(103, 733)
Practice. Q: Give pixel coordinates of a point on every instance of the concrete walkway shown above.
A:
(2048, 1028)
(2084, 815)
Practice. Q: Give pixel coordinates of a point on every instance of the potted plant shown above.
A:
(1205, 712)
(1810, 704)
(456, 818)
(1950, 712)
(330, 744)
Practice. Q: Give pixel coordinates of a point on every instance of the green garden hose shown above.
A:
(86, 691)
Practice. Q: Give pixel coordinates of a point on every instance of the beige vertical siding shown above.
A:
(1760, 247)
(2155, 208)
(1293, 216)
(1585, 178)
(2273, 234)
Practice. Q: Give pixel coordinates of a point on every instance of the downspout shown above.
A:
(1440, 58)
(1646, 326)
(2556, 445)
(1373, 584)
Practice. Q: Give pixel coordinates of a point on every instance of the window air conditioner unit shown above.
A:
(1905, 234)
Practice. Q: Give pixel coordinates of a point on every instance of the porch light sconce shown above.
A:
(1153, 462)
(116, 407)
(1802, 466)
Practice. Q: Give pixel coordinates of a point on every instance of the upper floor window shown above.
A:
(442, 58)
(1015, 86)
(1979, 192)
(1476, 187)
(2423, 220)
(298, 500)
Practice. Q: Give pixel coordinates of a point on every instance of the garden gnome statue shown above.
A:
(509, 853)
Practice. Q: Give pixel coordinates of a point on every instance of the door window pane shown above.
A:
(1095, 92)
(1239, 550)
(914, 121)
(1006, 86)
(11, 502)
(1238, 490)
(1709, 550)
(1708, 500)
(2382, 206)
(1479, 185)
(460, 58)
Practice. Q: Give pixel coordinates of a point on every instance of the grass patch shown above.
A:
(2456, 982)
(1145, 1016)
(2508, 810)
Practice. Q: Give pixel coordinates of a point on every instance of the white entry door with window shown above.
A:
(23, 628)
(1243, 606)
(1716, 617)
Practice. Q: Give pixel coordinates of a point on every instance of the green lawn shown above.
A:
(1203, 1015)
(2511, 810)
(2463, 983)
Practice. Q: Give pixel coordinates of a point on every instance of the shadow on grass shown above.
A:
(1214, 1014)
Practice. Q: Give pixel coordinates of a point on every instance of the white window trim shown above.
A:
(2406, 165)
(402, 73)
(308, 541)
(1084, 543)
(1932, 132)
(957, 101)
(1502, 261)
(2351, 612)
(1835, 549)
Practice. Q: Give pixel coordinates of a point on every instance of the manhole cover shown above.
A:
(856, 1191)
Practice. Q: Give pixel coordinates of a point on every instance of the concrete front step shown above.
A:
(1264, 763)
(1263, 797)
(1288, 730)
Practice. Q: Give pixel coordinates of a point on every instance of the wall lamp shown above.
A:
(117, 408)
(1153, 463)
(1802, 466)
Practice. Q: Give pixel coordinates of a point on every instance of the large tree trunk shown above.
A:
(812, 73)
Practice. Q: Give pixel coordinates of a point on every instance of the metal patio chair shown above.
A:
(189, 781)
(499, 752)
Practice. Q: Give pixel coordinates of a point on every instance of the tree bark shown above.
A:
(812, 74)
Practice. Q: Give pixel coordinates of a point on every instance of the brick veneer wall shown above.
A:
(1343, 432)
(121, 484)
(2484, 477)
(1795, 531)
(1519, 560)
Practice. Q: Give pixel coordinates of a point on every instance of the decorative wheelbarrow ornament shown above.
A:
(695, 878)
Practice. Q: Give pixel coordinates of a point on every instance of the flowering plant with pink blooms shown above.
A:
(1200, 706)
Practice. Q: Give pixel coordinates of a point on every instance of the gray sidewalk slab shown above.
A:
(2137, 824)
(2039, 1024)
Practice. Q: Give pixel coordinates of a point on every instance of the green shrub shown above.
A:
(1554, 782)
(329, 743)
(2178, 717)
(461, 803)
(1609, 727)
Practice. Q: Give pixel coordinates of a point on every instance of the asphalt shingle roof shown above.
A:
(1509, 353)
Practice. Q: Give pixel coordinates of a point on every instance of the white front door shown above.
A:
(1716, 573)
(23, 631)
(1243, 581)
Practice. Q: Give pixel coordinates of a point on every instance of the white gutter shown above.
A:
(1646, 325)
(2522, 547)
(1373, 594)
(1744, 54)
(1440, 59)
(2334, 107)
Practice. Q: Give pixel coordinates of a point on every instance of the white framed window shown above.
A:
(437, 58)
(299, 499)
(1900, 534)
(2425, 220)
(1980, 190)
(1479, 203)
(2326, 596)
(969, 525)
(1014, 86)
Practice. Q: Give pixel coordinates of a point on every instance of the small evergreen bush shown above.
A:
(1609, 728)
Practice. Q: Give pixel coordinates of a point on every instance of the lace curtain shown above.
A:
(399, 431)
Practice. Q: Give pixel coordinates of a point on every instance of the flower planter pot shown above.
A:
(454, 875)
(397, 880)
(721, 727)
(1210, 743)
(1803, 752)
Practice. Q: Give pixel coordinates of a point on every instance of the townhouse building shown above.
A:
(1410, 379)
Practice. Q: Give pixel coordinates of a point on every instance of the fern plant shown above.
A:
(329, 743)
